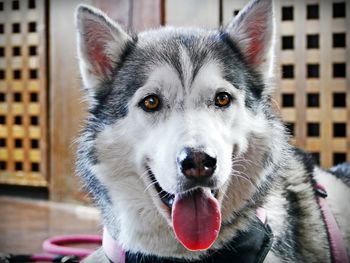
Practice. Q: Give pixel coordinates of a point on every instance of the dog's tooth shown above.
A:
(171, 201)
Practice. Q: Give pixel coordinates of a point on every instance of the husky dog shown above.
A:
(182, 148)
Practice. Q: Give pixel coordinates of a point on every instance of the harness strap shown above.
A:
(261, 214)
(114, 252)
(336, 242)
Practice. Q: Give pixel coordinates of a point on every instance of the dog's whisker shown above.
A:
(242, 158)
(145, 174)
(243, 161)
(244, 177)
(239, 166)
(150, 185)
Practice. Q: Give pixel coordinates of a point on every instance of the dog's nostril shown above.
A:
(188, 164)
(209, 161)
(197, 164)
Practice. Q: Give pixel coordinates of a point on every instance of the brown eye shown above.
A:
(150, 103)
(223, 99)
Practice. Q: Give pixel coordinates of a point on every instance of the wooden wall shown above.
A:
(203, 13)
(66, 106)
(313, 51)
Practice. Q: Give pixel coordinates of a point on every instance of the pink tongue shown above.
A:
(196, 219)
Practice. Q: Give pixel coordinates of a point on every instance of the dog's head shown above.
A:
(180, 131)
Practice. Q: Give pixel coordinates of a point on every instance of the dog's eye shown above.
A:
(222, 99)
(150, 103)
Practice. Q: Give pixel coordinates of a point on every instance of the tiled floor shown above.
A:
(25, 223)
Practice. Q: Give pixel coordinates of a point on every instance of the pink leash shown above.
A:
(336, 242)
(57, 246)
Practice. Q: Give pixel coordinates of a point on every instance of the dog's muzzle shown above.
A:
(194, 207)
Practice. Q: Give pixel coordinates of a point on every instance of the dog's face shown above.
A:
(174, 116)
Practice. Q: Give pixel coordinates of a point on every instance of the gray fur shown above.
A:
(342, 171)
(121, 143)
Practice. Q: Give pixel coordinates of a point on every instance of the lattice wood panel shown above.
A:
(313, 51)
(23, 143)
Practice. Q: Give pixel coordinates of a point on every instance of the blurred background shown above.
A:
(41, 107)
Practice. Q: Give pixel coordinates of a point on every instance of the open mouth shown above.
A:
(195, 215)
(167, 198)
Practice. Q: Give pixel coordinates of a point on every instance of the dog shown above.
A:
(184, 154)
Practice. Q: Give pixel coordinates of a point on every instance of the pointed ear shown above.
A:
(101, 43)
(252, 29)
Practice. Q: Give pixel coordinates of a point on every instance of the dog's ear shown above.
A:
(101, 43)
(252, 30)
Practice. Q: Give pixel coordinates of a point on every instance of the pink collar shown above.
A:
(336, 242)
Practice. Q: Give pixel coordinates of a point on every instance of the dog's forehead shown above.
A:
(166, 78)
(184, 57)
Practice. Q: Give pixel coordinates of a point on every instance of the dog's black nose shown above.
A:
(196, 164)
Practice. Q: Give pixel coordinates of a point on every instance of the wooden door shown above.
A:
(23, 93)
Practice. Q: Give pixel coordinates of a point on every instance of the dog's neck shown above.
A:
(248, 246)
